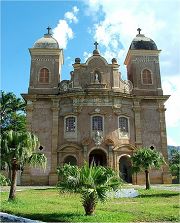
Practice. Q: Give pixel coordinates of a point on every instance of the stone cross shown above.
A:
(96, 44)
(139, 30)
(48, 28)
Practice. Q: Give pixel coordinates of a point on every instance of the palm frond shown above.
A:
(38, 160)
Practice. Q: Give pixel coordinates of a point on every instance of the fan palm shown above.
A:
(144, 159)
(92, 182)
(17, 149)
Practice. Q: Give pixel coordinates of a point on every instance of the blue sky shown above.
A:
(77, 24)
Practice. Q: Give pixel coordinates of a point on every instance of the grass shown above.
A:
(50, 206)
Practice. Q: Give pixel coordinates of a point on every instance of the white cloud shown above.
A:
(86, 55)
(71, 16)
(171, 141)
(63, 32)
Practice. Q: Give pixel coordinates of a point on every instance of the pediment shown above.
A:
(95, 60)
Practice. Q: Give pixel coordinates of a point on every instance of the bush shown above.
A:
(4, 181)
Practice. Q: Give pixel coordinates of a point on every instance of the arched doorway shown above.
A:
(125, 169)
(70, 160)
(98, 156)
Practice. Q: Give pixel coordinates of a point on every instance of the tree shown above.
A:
(92, 182)
(12, 112)
(18, 149)
(174, 163)
(144, 159)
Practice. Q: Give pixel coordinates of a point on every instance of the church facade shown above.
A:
(96, 116)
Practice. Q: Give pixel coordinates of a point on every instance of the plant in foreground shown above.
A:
(4, 181)
(92, 182)
(18, 149)
(144, 159)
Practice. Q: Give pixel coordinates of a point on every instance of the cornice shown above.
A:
(140, 53)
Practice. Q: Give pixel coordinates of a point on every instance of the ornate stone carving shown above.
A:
(109, 142)
(97, 110)
(86, 141)
(98, 138)
(123, 134)
(126, 86)
(146, 59)
(77, 109)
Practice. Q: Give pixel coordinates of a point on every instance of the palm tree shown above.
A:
(92, 182)
(12, 112)
(144, 159)
(18, 149)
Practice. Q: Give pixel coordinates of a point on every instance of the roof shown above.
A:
(141, 42)
(46, 42)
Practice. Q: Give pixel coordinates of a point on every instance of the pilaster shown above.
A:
(85, 149)
(26, 175)
(29, 110)
(162, 109)
(110, 149)
(137, 118)
(166, 177)
(53, 178)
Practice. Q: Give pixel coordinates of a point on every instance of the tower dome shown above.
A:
(47, 41)
(141, 42)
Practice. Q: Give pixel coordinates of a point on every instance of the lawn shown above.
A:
(50, 206)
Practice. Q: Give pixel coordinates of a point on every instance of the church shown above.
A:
(96, 115)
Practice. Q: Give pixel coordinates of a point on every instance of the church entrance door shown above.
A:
(98, 156)
(125, 169)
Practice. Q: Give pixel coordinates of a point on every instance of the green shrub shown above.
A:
(4, 181)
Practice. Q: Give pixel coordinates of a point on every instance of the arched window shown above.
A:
(44, 75)
(70, 124)
(97, 123)
(146, 77)
(70, 160)
(123, 124)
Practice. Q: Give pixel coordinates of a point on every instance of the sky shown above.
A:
(78, 24)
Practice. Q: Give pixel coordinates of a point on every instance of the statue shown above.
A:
(96, 78)
(98, 138)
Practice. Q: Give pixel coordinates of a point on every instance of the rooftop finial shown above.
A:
(49, 29)
(96, 44)
(139, 30)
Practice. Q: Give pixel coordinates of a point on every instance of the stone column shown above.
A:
(26, 176)
(137, 123)
(167, 178)
(85, 149)
(115, 163)
(53, 178)
(110, 149)
(162, 110)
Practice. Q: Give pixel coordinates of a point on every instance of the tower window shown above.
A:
(123, 124)
(44, 75)
(70, 124)
(146, 77)
(97, 123)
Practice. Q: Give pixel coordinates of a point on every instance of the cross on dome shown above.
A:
(96, 44)
(49, 29)
(139, 30)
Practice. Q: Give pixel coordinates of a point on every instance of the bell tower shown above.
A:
(143, 68)
(46, 62)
